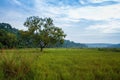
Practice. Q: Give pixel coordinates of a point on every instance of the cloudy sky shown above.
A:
(84, 21)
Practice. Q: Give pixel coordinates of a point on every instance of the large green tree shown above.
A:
(44, 32)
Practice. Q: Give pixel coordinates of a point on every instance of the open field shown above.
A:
(59, 64)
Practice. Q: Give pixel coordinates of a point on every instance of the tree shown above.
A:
(44, 32)
(7, 39)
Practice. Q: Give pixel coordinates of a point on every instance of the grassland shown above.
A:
(59, 64)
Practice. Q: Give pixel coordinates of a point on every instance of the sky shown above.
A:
(84, 21)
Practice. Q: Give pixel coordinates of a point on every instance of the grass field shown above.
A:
(59, 64)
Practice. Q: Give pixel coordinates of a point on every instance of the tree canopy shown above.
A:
(44, 32)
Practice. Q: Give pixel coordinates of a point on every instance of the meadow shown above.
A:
(59, 64)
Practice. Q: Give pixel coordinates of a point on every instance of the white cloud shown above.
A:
(43, 9)
(112, 26)
(95, 13)
(68, 13)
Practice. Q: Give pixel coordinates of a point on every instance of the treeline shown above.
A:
(114, 46)
(69, 44)
(8, 36)
(13, 38)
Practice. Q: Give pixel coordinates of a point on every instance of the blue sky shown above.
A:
(84, 21)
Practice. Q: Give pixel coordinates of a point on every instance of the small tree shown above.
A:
(44, 32)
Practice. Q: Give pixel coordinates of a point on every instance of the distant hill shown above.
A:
(70, 44)
(115, 46)
(102, 45)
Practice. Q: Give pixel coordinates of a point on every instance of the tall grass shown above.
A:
(59, 64)
(15, 66)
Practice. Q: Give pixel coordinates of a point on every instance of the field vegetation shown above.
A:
(59, 64)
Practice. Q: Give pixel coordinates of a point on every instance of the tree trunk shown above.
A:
(41, 49)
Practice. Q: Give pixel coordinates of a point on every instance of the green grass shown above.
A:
(59, 64)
